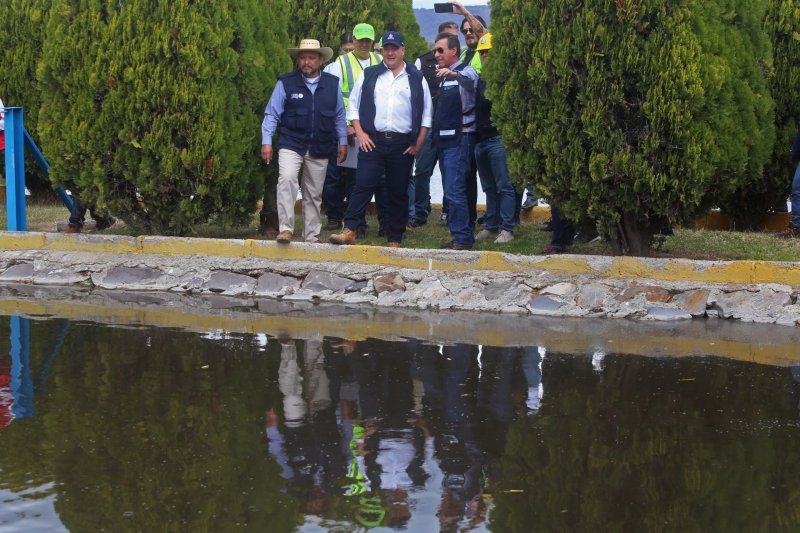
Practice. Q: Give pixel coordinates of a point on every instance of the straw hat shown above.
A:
(311, 45)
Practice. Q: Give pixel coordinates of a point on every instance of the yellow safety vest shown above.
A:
(475, 62)
(351, 70)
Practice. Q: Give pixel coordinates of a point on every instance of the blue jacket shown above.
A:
(308, 123)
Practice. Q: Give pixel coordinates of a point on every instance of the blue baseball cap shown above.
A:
(393, 37)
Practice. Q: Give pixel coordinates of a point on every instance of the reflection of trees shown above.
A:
(152, 430)
(678, 445)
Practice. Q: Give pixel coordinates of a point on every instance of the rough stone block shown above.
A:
(560, 289)
(390, 282)
(651, 294)
(271, 284)
(693, 302)
(20, 273)
(495, 290)
(317, 280)
(59, 277)
(222, 281)
(542, 305)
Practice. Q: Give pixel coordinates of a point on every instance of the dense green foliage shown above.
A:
(21, 40)
(153, 109)
(326, 20)
(783, 26)
(633, 114)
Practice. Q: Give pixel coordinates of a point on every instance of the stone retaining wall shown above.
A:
(559, 286)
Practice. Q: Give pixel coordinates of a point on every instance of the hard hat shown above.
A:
(485, 42)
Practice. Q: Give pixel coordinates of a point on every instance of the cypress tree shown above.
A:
(612, 108)
(326, 20)
(782, 24)
(169, 97)
(23, 23)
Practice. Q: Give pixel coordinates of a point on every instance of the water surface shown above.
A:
(145, 428)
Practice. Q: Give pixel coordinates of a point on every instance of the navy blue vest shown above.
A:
(366, 108)
(308, 122)
(448, 113)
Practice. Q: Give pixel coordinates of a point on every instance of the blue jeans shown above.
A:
(425, 163)
(496, 183)
(455, 166)
(796, 198)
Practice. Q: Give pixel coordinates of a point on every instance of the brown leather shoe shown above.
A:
(347, 236)
(393, 244)
(284, 237)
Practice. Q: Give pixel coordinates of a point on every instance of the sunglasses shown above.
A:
(467, 30)
(438, 50)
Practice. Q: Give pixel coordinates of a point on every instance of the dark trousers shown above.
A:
(339, 183)
(386, 158)
(563, 229)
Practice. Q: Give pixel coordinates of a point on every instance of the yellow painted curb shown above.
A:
(668, 270)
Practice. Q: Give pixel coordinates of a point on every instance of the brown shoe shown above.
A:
(347, 236)
(284, 237)
(393, 244)
(792, 233)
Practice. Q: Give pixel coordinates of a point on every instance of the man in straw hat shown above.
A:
(307, 110)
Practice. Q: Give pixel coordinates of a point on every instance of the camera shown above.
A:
(443, 7)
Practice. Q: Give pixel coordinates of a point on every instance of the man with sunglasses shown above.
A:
(473, 28)
(426, 158)
(454, 136)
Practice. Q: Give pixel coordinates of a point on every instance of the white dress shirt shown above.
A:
(392, 102)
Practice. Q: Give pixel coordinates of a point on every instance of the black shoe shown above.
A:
(792, 233)
(450, 245)
(102, 223)
(361, 233)
(416, 223)
(333, 225)
(268, 222)
(480, 220)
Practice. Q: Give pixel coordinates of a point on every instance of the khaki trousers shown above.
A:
(311, 184)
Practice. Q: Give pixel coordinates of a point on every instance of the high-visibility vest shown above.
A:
(474, 59)
(351, 70)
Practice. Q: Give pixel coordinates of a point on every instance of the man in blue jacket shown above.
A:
(390, 110)
(794, 223)
(307, 109)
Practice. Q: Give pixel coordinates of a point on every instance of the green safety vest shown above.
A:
(474, 62)
(351, 65)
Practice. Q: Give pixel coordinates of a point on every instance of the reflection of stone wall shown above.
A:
(564, 286)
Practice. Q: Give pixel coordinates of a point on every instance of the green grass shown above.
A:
(687, 243)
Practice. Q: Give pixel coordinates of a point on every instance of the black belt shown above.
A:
(392, 135)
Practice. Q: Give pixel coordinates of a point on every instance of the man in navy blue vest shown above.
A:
(454, 136)
(390, 110)
(306, 108)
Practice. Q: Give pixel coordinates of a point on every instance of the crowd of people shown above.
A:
(371, 124)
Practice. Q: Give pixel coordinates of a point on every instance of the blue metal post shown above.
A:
(21, 381)
(15, 170)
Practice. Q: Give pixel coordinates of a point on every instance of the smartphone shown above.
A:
(443, 7)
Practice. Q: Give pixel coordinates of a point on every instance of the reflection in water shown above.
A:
(153, 429)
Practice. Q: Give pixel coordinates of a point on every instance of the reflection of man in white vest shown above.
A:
(348, 67)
